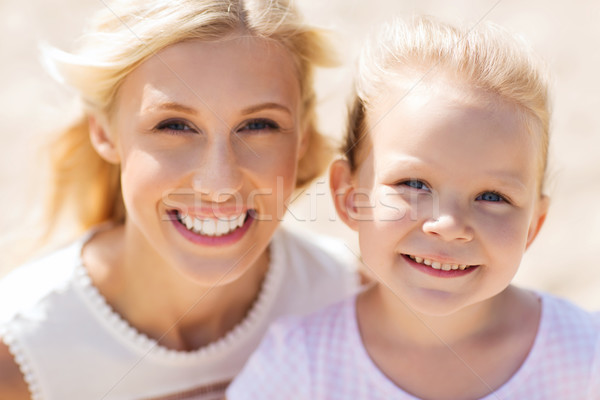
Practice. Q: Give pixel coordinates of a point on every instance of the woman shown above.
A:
(201, 124)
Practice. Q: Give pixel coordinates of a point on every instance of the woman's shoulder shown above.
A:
(312, 263)
(12, 383)
(315, 251)
(25, 286)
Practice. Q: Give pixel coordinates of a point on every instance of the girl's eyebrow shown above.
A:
(505, 178)
(509, 179)
(406, 162)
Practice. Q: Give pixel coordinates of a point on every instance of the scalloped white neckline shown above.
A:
(150, 347)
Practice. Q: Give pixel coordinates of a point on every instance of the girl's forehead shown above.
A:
(450, 127)
(416, 86)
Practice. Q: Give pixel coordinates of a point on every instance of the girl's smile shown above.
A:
(452, 191)
(439, 268)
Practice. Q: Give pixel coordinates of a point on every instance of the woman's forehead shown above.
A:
(241, 71)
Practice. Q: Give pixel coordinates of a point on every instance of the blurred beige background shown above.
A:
(566, 34)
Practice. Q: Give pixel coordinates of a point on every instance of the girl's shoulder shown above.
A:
(562, 315)
(293, 349)
(564, 355)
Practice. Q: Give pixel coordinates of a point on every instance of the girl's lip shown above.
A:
(214, 241)
(440, 273)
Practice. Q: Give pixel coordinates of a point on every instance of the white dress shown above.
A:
(70, 344)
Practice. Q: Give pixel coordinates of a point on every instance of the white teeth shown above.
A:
(438, 265)
(197, 225)
(213, 227)
(188, 221)
(240, 220)
(209, 227)
(222, 227)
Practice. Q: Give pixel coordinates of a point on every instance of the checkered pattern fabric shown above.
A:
(322, 357)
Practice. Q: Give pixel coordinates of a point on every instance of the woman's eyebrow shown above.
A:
(172, 106)
(266, 106)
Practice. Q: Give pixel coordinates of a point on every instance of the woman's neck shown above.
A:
(158, 300)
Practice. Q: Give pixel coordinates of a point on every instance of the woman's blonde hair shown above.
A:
(123, 35)
(485, 57)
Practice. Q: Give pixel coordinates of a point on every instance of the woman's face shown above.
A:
(208, 138)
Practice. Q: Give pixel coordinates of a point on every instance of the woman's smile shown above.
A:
(210, 154)
(212, 231)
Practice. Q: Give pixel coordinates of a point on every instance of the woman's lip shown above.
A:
(440, 273)
(204, 240)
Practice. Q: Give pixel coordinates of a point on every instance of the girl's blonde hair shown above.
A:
(485, 57)
(123, 35)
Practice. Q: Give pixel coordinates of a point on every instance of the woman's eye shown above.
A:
(175, 127)
(415, 184)
(260, 125)
(491, 196)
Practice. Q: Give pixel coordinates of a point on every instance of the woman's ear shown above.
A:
(342, 189)
(305, 137)
(102, 141)
(538, 219)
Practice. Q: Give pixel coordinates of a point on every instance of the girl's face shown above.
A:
(208, 138)
(446, 200)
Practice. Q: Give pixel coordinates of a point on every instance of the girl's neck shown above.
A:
(159, 301)
(379, 305)
(454, 351)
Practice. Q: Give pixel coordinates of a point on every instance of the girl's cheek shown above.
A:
(505, 231)
(401, 206)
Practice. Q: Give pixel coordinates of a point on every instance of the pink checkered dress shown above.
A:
(322, 357)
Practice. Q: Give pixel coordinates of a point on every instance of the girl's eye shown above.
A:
(491, 197)
(174, 127)
(415, 184)
(260, 125)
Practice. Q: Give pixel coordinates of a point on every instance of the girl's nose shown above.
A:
(218, 176)
(450, 225)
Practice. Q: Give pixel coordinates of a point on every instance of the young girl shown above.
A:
(198, 125)
(443, 181)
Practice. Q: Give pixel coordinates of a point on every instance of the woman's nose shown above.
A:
(452, 223)
(218, 176)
